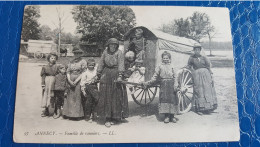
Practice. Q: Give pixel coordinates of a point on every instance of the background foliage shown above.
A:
(244, 18)
(30, 29)
(99, 23)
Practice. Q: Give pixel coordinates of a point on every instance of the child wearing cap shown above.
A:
(60, 90)
(89, 89)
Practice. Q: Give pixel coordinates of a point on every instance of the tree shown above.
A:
(168, 28)
(182, 27)
(31, 26)
(200, 26)
(210, 30)
(65, 38)
(46, 33)
(99, 23)
(196, 27)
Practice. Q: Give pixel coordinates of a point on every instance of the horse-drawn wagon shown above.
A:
(40, 48)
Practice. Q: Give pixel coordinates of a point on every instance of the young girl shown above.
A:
(164, 74)
(48, 78)
(60, 90)
(89, 90)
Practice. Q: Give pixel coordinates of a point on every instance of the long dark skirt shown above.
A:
(73, 103)
(113, 101)
(204, 91)
(168, 102)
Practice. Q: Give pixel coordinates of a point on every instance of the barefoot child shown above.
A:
(48, 73)
(168, 102)
(60, 90)
(89, 89)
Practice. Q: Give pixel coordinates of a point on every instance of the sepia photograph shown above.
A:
(125, 74)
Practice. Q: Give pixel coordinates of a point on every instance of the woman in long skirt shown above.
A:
(204, 90)
(73, 107)
(113, 103)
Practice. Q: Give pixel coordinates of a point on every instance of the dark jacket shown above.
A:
(61, 82)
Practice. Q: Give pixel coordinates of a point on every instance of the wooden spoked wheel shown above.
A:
(185, 94)
(143, 96)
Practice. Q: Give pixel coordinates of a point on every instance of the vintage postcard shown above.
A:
(125, 74)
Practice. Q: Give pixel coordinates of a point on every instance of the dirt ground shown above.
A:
(142, 126)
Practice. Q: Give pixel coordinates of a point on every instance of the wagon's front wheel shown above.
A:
(143, 96)
(185, 94)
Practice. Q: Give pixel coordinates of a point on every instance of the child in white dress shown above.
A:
(137, 75)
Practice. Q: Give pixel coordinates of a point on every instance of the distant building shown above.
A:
(37, 48)
(88, 49)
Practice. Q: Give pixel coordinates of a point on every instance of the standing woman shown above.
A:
(113, 103)
(204, 90)
(73, 107)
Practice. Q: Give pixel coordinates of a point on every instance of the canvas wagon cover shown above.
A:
(166, 41)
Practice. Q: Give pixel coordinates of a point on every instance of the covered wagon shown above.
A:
(155, 43)
(40, 48)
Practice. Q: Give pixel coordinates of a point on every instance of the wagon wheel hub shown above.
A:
(183, 89)
(143, 95)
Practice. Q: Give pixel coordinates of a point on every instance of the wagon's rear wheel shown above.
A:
(143, 96)
(185, 94)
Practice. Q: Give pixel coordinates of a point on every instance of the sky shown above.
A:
(148, 16)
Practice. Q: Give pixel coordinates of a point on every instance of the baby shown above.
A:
(138, 74)
(129, 63)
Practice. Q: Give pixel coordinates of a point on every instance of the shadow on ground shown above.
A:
(145, 111)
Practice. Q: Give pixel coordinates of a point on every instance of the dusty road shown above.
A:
(142, 125)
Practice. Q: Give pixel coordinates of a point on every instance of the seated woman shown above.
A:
(204, 90)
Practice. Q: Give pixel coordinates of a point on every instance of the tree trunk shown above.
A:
(210, 50)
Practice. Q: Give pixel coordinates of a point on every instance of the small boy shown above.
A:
(89, 89)
(60, 90)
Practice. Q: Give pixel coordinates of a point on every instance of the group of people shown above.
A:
(74, 87)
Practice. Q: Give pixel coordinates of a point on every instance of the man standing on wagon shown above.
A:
(137, 44)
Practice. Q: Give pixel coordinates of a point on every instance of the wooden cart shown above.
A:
(180, 48)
